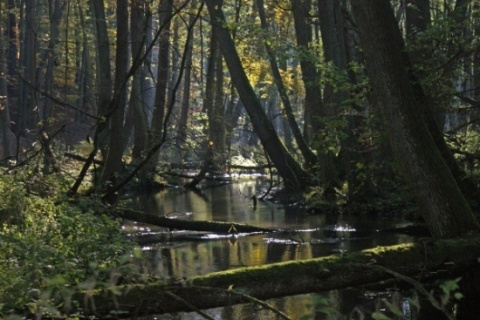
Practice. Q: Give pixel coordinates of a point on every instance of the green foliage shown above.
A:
(466, 144)
(450, 291)
(55, 249)
(13, 198)
(449, 294)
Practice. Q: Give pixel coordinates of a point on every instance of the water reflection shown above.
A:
(180, 254)
(352, 303)
(177, 254)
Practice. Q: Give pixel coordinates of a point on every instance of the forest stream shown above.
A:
(184, 254)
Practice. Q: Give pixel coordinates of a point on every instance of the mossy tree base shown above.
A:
(422, 261)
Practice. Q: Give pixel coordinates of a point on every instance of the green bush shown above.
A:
(55, 249)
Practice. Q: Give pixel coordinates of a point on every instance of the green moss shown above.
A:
(403, 257)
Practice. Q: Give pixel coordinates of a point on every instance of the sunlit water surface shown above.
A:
(181, 254)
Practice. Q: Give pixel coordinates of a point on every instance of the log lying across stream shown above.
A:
(210, 226)
(427, 259)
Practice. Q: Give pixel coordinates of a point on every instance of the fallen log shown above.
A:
(424, 260)
(178, 224)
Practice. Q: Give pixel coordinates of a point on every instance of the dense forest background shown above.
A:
(144, 86)
(363, 105)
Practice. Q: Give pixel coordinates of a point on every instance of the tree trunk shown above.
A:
(310, 76)
(137, 34)
(157, 125)
(103, 73)
(309, 157)
(28, 51)
(6, 146)
(56, 10)
(213, 105)
(293, 175)
(11, 50)
(181, 137)
(84, 68)
(217, 120)
(113, 161)
(442, 204)
(334, 99)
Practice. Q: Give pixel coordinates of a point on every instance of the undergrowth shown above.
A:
(51, 248)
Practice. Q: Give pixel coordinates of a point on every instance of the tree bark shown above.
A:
(181, 137)
(103, 73)
(165, 10)
(442, 204)
(213, 104)
(293, 175)
(216, 117)
(6, 148)
(334, 99)
(12, 48)
(28, 51)
(137, 34)
(113, 159)
(84, 67)
(56, 10)
(310, 76)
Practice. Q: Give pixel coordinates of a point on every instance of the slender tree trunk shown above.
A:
(147, 69)
(165, 10)
(214, 51)
(293, 175)
(103, 74)
(5, 132)
(476, 54)
(12, 50)
(213, 105)
(443, 205)
(137, 34)
(83, 68)
(309, 157)
(217, 116)
(310, 76)
(185, 106)
(56, 9)
(113, 161)
(27, 67)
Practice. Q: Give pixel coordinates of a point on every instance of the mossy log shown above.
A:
(424, 260)
(210, 226)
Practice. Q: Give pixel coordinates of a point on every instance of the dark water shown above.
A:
(180, 254)
(183, 254)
